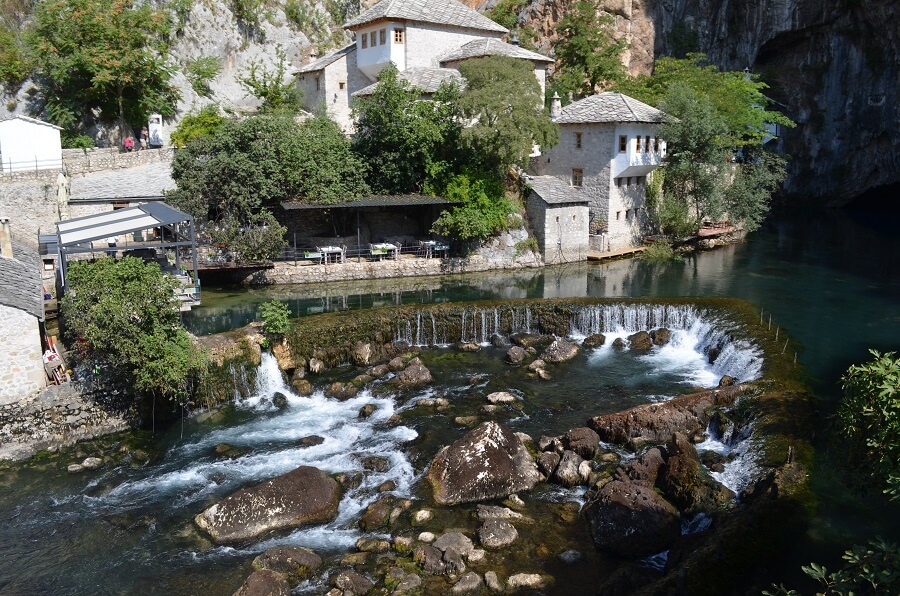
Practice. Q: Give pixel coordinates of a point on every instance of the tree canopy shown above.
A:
(123, 320)
(104, 55)
(273, 87)
(407, 143)
(502, 100)
(587, 50)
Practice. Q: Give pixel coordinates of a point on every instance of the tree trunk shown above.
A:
(122, 125)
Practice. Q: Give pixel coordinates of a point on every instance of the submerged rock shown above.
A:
(310, 441)
(303, 496)
(352, 583)
(594, 341)
(496, 533)
(487, 462)
(468, 346)
(470, 583)
(414, 375)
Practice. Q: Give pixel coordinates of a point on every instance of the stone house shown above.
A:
(558, 214)
(21, 313)
(426, 40)
(609, 145)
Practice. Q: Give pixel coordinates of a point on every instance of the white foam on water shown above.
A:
(741, 467)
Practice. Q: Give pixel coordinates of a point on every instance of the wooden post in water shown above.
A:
(777, 329)
(770, 322)
(785, 346)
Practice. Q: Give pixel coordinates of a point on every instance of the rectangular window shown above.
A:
(578, 140)
(637, 144)
(623, 143)
(382, 36)
(317, 84)
(342, 85)
(398, 35)
(618, 183)
(577, 176)
(365, 40)
(628, 182)
(647, 144)
(656, 145)
(373, 39)
(618, 215)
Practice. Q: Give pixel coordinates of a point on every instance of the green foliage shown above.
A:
(250, 238)
(275, 88)
(307, 19)
(197, 125)
(870, 569)
(530, 244)
(247, 12)
(275, 317)
(503, 101)
(201, 72)
(869, 417)
(15, 65)
(407, 144)
(736, 97)
(660, 251)
(481, 208)
(122, 318)
(234, 175)
(747, 197)
(587, 50)
(506, 12)
(105, 56)
(75, 140)
(696, 169)
(181, 11)
(683, 40)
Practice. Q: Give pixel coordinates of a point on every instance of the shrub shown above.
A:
(196, 125)
(660, 251)
(529, 243)
(201, 72)
(481, 208)
(275, 317)
(74, 140)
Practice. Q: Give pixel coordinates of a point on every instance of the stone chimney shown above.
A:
(555, 106)
(5, 238)
(514, 39)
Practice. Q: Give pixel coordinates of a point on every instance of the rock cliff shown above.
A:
(834, 65)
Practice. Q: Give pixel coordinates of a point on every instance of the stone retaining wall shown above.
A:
(56, 417)
(80, 161)
(288, 273)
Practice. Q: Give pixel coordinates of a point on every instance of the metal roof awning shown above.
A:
(114, 223)
(372, 201)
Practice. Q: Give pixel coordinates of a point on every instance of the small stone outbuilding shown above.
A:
(559, 216)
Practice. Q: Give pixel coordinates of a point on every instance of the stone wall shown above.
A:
(80, 161)
(31, 205)
(54, 418)
(22, 372)
(408, 266)
(561, 230)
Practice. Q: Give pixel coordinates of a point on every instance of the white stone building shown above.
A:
(426, 40)
(609, 144)
(27, 144)
(21, 311)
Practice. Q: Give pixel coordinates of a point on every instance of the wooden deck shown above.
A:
(602, 256)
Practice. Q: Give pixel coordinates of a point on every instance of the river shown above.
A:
(830, 280)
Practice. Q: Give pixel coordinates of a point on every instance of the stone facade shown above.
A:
(80, 161)
(22, 372)
(561, 230)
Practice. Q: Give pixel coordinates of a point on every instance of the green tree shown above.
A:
(275, 316)
(123, 320)
(480, 209)
(201, 72)
(587, 50)
(197, 124)
(736, 97)
(747, 198)
(14, 63)
(502, 99)
(869, 417)
(106, 55)
(250, 238)
(324, 167)
(406, 143)
(274, 87)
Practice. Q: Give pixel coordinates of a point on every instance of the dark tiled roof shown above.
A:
(150, 180)
(373, 201)
(441, 12)
(326, 60)
(20, 280)
(554, 191)
(492, 47)
(425, 79)
(609, 107)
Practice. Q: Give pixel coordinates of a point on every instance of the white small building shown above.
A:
(426, 40)
(609, 144)
(28, 144)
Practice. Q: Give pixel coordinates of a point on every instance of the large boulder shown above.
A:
(362, 354)
(594, 341)
(295, 562)
(515, 355)
(496, 533)
(414, 375)
(352, 583)
(640, 341)
(582, 441)
(301, 497)
(660, 336)
(686, 484)
(631, 520)
(566, 472)
(559, 351)
(488, 462)
(656, 423)
(265, 583)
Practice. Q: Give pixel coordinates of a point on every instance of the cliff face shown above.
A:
(834, 64)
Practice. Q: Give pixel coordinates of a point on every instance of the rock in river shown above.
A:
(295, 562)
(559, 351)
(303, 496)
(265, 583)
(487, 462)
